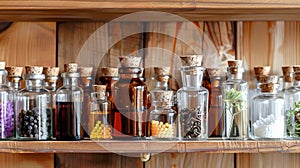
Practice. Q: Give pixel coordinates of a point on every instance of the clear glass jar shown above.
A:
(7, 111)
(34, 111)
(163, 117)
(130, 97)
(267, 115)
(100, 110)
(69, 98)
(235, 103)
(14, 77)
(192, 104)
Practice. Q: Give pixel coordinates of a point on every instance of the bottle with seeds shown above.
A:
(33, 107)
(100, 111)
(192, 101)
(235, 103)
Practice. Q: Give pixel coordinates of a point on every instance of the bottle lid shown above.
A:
(130, 61)
(287, 73)
(212, 72)
(261, 70)
(33, 69)
(297, 76)
(161, 71)
(2, 65)
(14, 71)
(99, 88)
(85, 71)
(191, 60)
(268, 87)
(163, 97)
(268, 79)
(107, 71)
(130, 70)
(71, 67)
(50, 71)
(235, 63)
(296, 68)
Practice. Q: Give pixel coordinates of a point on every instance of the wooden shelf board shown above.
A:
(88, 146)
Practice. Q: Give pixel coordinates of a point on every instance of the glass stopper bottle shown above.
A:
(163, 117)
(235, 103)
(33, 107)
(267, 115)
(7, 111)
(86, 82)
(69, 98)
(100, 111)
(130, 95)
(14, 77)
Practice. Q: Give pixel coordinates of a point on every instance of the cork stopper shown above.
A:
(51, 71)
(268, 79)
(71, 67)
(296, 68)
(34, 69)
(2, 65)
(107, 71)
(164, 97)
(130, 61)
(85, 71)
(99, 88)
(14, 71)
(268, 87)
(191, 60)
(287, 73)
(161, 71)
(212, 72)
(297, 76)
(235, 63)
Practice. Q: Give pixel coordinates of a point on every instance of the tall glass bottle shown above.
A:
(33, 107)
(7, 111)
(69, 98)
(14, 77)
(109, 77)
(267, 119)
(50, 84)
(86, 82)
(292, 105)
(100, 111)
(130, 95)
(235, 103)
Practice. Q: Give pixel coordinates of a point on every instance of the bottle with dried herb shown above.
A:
(130, 95)
(192, 101)
(33, 107)
(235, 103)
(14, 77)
(292, 105)
(267, 115)
(69, 98)
(7, 111)
(100, 111)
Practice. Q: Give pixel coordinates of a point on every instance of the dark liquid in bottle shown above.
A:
(68, 121)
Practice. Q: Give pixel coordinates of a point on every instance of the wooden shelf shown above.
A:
(210, 146)
(65, 10)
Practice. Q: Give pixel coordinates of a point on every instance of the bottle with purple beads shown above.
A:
(6, 106)
(33, 107)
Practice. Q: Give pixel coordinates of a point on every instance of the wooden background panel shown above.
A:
(191, 160)
(29, 43)
(13, 160)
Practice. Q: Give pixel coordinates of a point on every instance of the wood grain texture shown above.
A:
(29, 43)
(13, 160)
(191, 160)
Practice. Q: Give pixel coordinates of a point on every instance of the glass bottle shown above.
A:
(33, 107)
(86, 82)
(235, 103)
(130, 95)
(100, 110)
(215, 78)
(192, 104)
(14, 77)
(267, 115)
(50, 84)
(69, 98)
(109, 77)
(292, 105)
(7, 111)
(163, 117)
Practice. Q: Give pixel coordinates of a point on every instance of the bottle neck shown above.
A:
(70, 81)
(162, 85)
(296, 83)
(50, 86)
(192, 76)
(2, 79)
(33, 84)
(287, 85)
(235, 76)
(86, 81)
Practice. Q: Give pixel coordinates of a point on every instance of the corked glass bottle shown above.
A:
(14, 77)
(50, 83)
(69, 98)
(7, 111)
(235, 103)
(33, 107)
(192, 101)
(100, 112)
(130, 95)
(86, 82)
